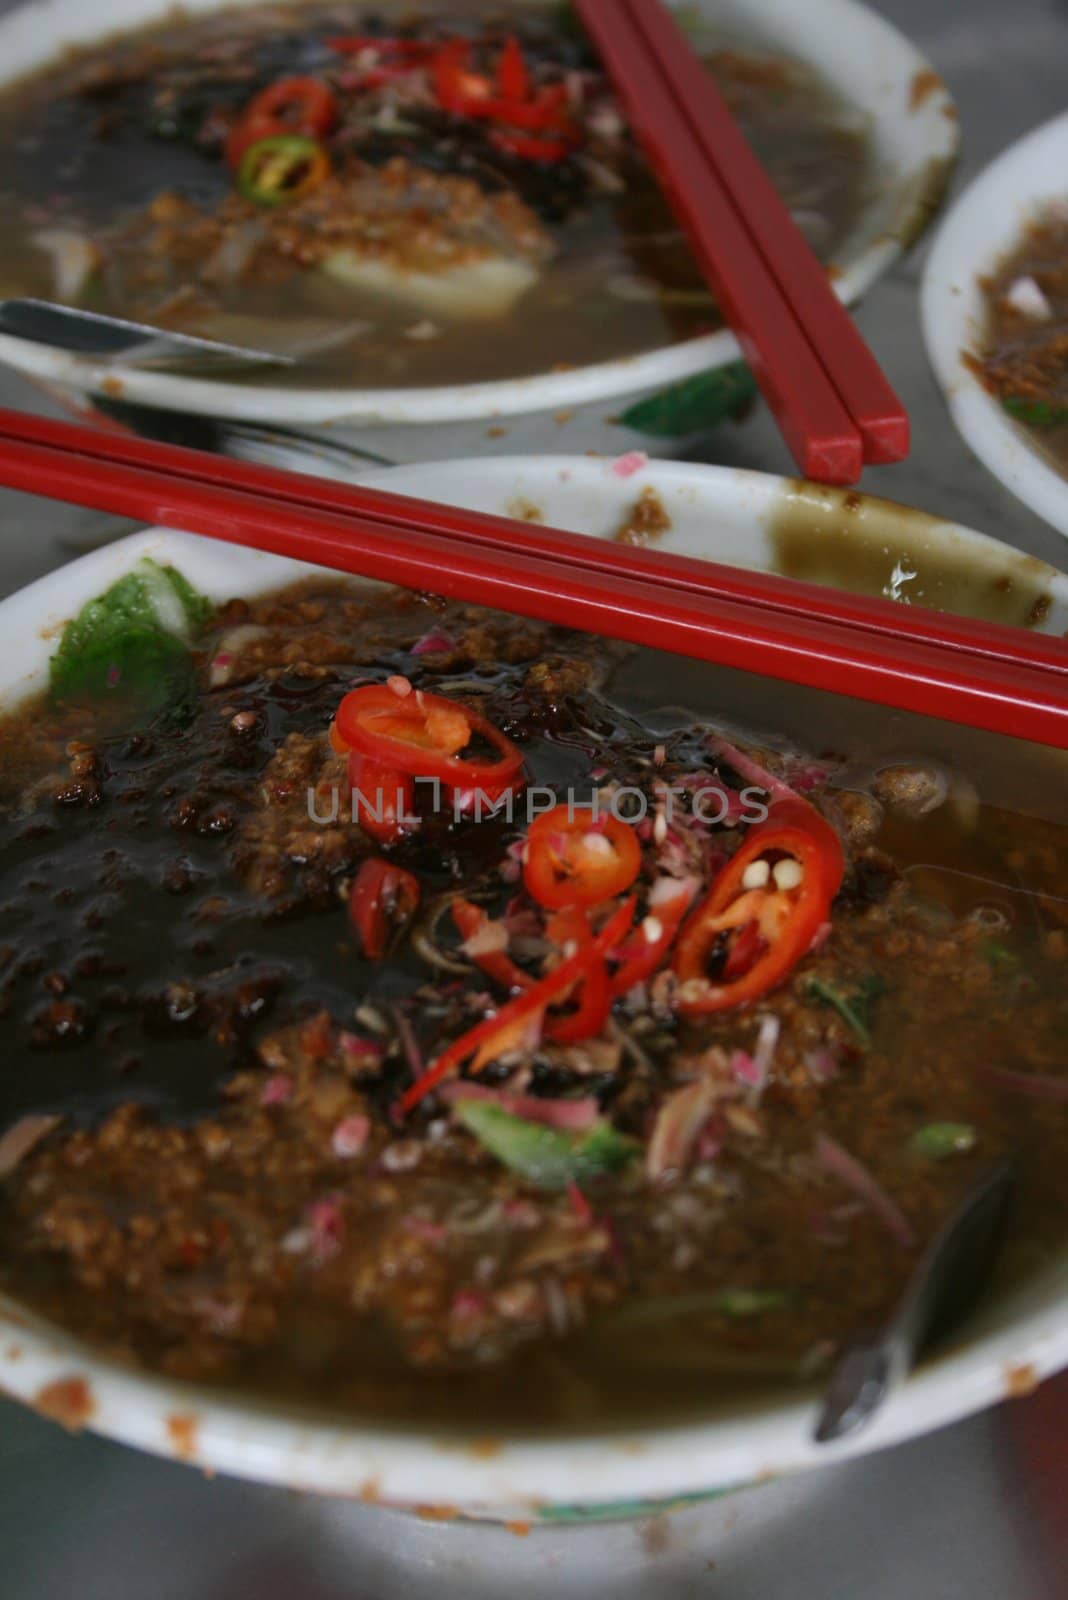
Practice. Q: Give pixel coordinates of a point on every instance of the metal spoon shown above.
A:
(92, 334)
(947, 1280)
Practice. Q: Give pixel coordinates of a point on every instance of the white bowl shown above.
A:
(722, 514)
(984, 225)
(914, 141)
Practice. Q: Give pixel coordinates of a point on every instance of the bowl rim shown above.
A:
(920, 181)
(1012, 189)
(510, 1474)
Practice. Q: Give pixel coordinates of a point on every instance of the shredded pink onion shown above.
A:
(678, 1125)
(767, 1040)
(466, 1305)
(1030, 1083)
(432, 643)
(277, 1090)
(666, 890)
(711, 1139)
(18, 1140)
(350, 1136)
(626, 466)
(325, 1227)
(717, 798)
(489, 938)
(822, 1065)
(806, 775)
(840, 1164)
(357, 1049)
(749, 769)
(426, 1228)
(522, 1213)
(745, 1070)
(567, 1115)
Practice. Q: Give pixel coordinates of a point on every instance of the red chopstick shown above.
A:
(850, 364)
(812, 419)
(688, 574)
(687, 130)
(936, 675)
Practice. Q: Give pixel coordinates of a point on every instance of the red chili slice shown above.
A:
(303, 105)
(547, 113)
(470, 921)
(591, 993)
(423, 734)
(415, 50)
(512, 75)
(293, 105)
(489, 1038)
(767, 928)
(456, 86)
(526, 148)
(382, 902)
(574, 858)
(384, 799)
(641, 956)
(249, 131)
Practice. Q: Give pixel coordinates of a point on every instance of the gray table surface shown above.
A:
(974, 1512)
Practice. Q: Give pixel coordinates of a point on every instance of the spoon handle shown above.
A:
(858, 1386)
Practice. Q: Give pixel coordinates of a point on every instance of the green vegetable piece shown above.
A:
(695, 404)
(133, 642)
(941, 1139)
(751, 1302)
(735, 1302)
(998, 954)
(282, 166)
(1038, 413)
(546, 1156)
(855, 1008)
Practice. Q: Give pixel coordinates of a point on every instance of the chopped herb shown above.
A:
(941, 1139)
(751, 1302)
(133, 642)
(1039, 413)
(854, 1008)
(546, 1156)
(736, 1302)
(999, 955)
(695, 404)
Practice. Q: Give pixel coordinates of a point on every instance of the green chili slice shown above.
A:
(285, 166)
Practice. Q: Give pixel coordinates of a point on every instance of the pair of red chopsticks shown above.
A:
(829, 396)
(982, 674)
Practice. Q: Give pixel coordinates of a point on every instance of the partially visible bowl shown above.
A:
(985, 224)
(1013, 1342)
(871, 65)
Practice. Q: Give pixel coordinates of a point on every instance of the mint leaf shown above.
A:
(1039, 413)
(133, 643)
(854, 1008)
(695, 404)
(546, 1156)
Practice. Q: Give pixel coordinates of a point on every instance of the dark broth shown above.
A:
(167, 917)
(121, 147)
